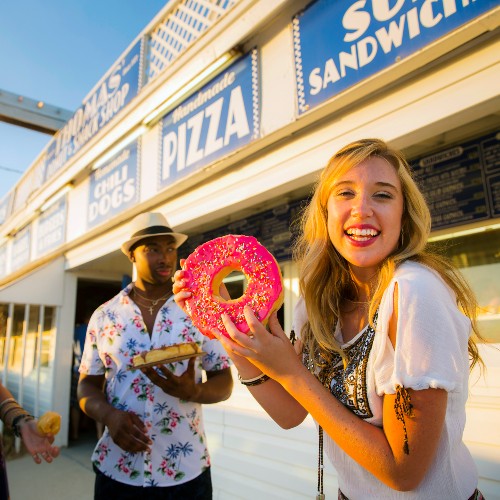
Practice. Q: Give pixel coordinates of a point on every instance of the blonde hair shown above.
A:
(325, 277)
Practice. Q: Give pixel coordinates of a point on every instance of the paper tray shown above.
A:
(168, 361)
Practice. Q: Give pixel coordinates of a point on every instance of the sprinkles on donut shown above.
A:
(211, 262)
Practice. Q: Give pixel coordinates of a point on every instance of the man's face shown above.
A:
(155, 259)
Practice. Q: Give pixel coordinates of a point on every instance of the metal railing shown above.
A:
(179, 29)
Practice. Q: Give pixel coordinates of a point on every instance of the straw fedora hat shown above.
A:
(150, 224)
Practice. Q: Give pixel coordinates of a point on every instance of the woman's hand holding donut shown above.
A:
(181, 293)
(235, 346)
(271, 352)
(245, 367)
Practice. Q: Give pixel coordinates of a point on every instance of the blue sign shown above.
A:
(114, 187)
(21, 248)
(51, 229)
(3, 261)
(219, 119)
(112, 94)
(338, 43)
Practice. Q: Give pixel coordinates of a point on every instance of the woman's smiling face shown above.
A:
(365, 207)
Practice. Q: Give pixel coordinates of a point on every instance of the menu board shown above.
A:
(273, 228)
(490, 147)
(462, 183)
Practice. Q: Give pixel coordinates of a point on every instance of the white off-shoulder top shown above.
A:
(431, 352)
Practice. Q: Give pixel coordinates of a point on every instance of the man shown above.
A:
(154, 444)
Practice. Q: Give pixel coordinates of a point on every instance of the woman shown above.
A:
(384, 328)
(24, 426)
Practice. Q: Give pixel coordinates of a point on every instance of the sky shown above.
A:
(56, 51)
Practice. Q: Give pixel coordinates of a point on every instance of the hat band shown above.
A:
(150, 231)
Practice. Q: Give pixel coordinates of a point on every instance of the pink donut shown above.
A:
(211, 262)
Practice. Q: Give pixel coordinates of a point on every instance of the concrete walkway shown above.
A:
(70, 476)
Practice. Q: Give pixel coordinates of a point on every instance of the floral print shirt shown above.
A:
(116, 333)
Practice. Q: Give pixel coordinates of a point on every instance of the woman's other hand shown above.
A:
(39, 445)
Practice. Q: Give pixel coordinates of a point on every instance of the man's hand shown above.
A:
(183, 386)
(128, 431)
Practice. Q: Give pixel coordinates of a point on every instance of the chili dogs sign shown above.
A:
(338, 43)
(114, 187)
(217, 120)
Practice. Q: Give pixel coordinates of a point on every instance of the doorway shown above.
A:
(90, 295)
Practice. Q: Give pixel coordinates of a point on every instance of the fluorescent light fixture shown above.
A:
(465, 232)
(56, 196)
(119, 146)
(195, 83)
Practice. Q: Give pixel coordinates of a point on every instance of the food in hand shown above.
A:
(166, 353)
(49, 423)
(211, 262)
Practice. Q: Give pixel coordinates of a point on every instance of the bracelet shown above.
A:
(25, 417)
(260, 379)
(11, 413)
(7, 406)
(6, 401)
(11, 405)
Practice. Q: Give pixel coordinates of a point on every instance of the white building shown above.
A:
(220, 115)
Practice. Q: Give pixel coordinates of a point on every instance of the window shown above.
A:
(48, 336)
(30, 358)
(478, 257)
(16, 339)
(38, 339)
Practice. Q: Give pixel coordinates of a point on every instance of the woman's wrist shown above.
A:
(19, 422)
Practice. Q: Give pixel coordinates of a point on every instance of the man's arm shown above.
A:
(126, 429)
(91, 396)
(217, 387)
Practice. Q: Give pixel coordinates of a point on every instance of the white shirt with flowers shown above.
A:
(116, 333)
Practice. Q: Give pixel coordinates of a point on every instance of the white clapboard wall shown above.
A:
(252, 457)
